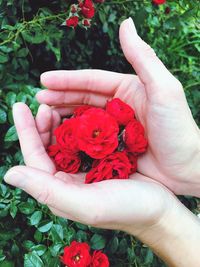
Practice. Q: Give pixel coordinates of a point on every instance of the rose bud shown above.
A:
(74, 9)
(72, 21)
(86, 23)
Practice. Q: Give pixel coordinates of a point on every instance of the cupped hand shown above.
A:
(160, 104)
(132, 205)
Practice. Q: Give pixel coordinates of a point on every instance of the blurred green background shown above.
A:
(32, 40)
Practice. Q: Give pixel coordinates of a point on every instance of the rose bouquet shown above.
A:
(104, 143)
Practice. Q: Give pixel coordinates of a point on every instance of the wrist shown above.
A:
(174, 236)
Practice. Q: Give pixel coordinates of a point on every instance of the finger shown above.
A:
(65, 111)
(55, 98)
(43, 122)
(147, 65)
(31, 145)
(69, 198)
(56, 120)
(98, 81)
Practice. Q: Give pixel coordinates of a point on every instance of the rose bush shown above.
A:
(32, 40)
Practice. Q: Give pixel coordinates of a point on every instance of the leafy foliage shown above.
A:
(32, 41)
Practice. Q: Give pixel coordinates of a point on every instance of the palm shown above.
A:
(107, 201)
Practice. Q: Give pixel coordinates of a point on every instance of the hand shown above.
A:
(67, 196)
(139, 206)
(158, 98)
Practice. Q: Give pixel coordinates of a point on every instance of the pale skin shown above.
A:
(143, 205)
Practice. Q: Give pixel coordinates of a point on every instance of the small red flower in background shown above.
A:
(87, 9)
(86, 23)
(97, 133)
(134, 138)
(76, 255)
(114, 166)
(72, 21)
(158, 2)
(122, 112)
(74, 8)
(99, 259)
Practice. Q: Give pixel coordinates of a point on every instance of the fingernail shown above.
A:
(131, 26)
(15, 178)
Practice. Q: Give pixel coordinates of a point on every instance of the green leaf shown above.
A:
(23, 52)
(81, 236)
(28, 244)
(81, 226)
(113, 245)
(10, 98)
(55, 249)
(45, 226)
(36, 217)
(13, 210)
(26, 207)
(15, 249)
(149, 257)
(123, 245)
(39, 249)
(3, 58)
(7, 235)
(32, 260)
(3, 116)
(57, 233)
(97, 242)
(11, 135)
(38, 236)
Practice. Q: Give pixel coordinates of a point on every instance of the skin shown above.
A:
(142, 205)
(160, 104)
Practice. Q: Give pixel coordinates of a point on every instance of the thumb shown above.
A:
(72, 199)
(146, 64)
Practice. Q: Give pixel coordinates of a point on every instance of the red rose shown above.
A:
(66, 162)
(122, 112)
(87, 9)
(86, 23)
(97, 133)
(72, 22)
(134, 138)
(133, 161)
(114, 166)
(77, 255)
(74, 8)
(159, 2)
(66, 135)
(99, 259)
(80, 110)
